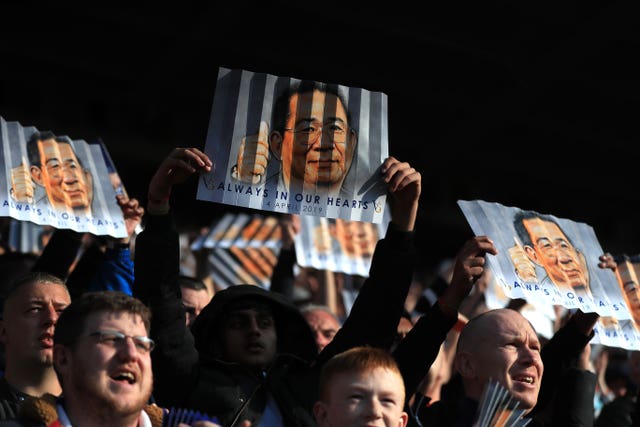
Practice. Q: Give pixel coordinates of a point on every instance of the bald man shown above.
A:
(323, 322)
(500, 345)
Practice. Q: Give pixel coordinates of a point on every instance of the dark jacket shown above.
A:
(566, 393)
(618, 412)
(188, 371)
(10, 399)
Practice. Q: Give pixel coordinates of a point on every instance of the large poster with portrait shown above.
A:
(294, 146)
(338, 245)
(545, 259)
(53, 180)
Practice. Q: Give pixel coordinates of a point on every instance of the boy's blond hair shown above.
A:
(361, 359)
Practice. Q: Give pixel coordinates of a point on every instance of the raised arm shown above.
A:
(157, 266)
(404, 188)
(375, 314)
(559, 356)
(115, 272)
(283, 277)
(419, 349)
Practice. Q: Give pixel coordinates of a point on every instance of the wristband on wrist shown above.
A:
(459, 325)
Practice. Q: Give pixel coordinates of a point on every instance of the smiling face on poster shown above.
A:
(548, 246)
(628, 279)
(296, 146)
(338, 245)
(55, 166)
(546, 260)
(57, 181)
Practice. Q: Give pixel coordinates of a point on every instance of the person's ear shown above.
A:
(531, 253)
(61, 358)
(353, 138)
(89, 181)
(36, 175)
(465, 365)
(404, 419)
(320, 412)
(275, 143)
(583, 264)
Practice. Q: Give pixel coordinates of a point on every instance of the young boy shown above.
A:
(361, 386)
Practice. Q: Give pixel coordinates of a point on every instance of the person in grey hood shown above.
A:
(250, 355)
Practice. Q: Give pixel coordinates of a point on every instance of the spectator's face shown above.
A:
(357, 238)
(373, 398)
(507, 349)
(194, 301)
(29, 322)
(67, 184)
(553, 251)
(323, 325)
(106, 376)
(250, 337)
(318, 146)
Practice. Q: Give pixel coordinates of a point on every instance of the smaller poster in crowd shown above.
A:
(609, 330)
(295, 146)
(338, 245)
(545, 259)
(242, 248)
(499, 408)
(25, 236)
(50, 179)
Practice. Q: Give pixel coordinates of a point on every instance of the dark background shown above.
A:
(529, 104)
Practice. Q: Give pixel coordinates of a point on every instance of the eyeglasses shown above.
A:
(308, 132)
(551, 248)
(56, 169)
(117, 339)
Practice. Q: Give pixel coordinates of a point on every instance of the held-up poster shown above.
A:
(295, 146)
(338, 245)
(242, 248)
(609, 330)
(546, 260)
(50, 179)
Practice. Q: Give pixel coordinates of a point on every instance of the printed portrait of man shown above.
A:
(547, 245)
(355, 239)
(54, 166)
(297, 146)
(628, 280)
(312, 137)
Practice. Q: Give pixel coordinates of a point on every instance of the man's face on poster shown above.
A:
(67, 184)
(629, 283)
(317, 143)
(552, 250)
(356, 238)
